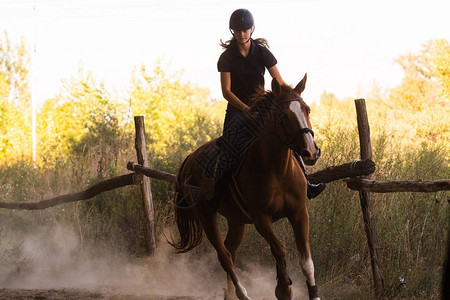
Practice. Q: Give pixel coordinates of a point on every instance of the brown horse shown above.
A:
(269, 180)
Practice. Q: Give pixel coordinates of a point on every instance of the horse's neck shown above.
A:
(268, 150)
(271, 153)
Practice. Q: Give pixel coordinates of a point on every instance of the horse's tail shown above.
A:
(189, 226)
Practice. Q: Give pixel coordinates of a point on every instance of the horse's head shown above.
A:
(294, 126)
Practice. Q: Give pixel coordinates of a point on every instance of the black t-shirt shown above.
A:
(246, 72)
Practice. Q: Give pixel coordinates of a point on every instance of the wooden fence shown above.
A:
(356, 174)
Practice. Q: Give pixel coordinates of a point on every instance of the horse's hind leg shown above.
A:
(300, 225)
(283, 289)
(232, 241)
(209, 222)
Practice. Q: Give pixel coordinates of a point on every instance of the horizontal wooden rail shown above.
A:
(107, 185)
(397, 186)
(151, 172)
(356, 168)
(353, 169)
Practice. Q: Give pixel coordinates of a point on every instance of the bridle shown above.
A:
(290, 143)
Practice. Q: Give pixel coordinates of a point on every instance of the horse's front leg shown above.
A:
(283, 290)
(300, 225)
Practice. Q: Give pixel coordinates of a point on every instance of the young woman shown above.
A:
(242, 66)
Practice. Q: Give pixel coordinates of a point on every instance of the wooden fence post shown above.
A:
(145, 186)
(366, 201)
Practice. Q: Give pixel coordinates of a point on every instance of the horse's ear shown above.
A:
(276, 88)
(301, 85)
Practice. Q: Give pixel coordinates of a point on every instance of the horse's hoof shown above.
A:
(244, 297)
(241, 292)
(283, 293)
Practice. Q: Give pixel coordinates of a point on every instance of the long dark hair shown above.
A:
(260, 41)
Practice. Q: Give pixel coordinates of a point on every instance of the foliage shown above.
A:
(441, 64)
(81, 110)
(15, 141)
(177, 115)
(14, 70)
(426, 80)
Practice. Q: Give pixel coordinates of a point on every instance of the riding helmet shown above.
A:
(241, 19)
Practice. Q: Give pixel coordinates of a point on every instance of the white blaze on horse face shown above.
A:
(296, 108)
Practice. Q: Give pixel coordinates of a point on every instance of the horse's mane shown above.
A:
(262, 94)
(262, 101)
(259, 94)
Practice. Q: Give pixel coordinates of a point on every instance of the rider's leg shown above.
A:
(314, 189)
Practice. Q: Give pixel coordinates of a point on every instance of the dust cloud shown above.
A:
(53, 259)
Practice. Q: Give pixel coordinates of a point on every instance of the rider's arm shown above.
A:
(275, 73)
(225, 82)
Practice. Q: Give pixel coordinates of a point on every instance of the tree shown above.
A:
(82, 108)
(178, 115)
(14, 67)
(422, 97)
(426, 80)
(441, 65)
(15, 111)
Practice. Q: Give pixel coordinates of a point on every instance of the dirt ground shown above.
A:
(78, 294)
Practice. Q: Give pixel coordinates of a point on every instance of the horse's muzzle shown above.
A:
(311, 158)
(303, 143)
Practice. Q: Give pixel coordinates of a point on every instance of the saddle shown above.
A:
(219, 165)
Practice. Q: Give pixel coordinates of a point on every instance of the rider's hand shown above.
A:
(246, 110)
(249, 113)
(253, 116)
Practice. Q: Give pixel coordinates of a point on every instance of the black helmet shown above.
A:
(241, 19)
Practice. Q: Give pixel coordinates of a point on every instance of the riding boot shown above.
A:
(313, 189)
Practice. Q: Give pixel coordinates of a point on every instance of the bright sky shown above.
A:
(344, 46)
